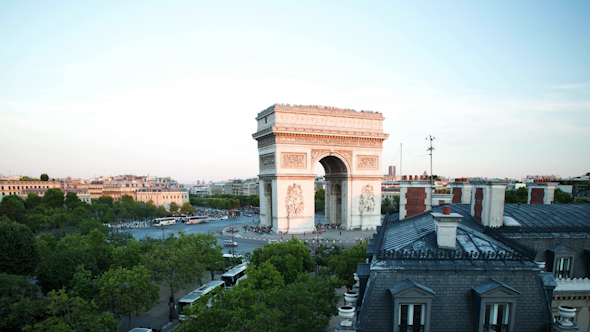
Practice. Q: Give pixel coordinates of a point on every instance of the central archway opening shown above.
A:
(334, 173)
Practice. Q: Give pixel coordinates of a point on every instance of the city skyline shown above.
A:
(172, 89)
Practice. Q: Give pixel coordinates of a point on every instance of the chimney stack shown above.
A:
(541, 191)
(446, 224)
(487, 201)
(461, 190)
(415, 196)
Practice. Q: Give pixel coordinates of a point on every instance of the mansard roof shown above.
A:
(415, 239)
(557, 216)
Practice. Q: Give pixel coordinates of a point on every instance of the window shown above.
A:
(496, 318)
(562, 267)
(559, 259)
(412, 303)
(412, 317)
(495, 305)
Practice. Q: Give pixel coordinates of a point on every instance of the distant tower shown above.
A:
(392, 171)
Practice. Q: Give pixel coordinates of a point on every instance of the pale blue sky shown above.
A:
(171, 88)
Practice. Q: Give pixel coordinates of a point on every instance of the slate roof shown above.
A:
(415, 238)
(556, 215)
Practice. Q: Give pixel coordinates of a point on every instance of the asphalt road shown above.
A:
(212, 226)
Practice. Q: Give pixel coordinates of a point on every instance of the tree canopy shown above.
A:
(290, 258)
(517, 196)
(19, 253)
(272, 298)
(180, 262)
(126, 291)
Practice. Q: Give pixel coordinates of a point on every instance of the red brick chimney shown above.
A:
(461, 190)
(415, 196)
(541, 191)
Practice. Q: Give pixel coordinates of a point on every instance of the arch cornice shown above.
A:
(327, 133)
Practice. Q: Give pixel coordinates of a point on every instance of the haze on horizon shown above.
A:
(172, 88)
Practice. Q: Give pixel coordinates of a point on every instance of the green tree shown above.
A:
(14, 292)
(54, 197)
(58, 270)
(173, 208)
(67, 312)
(19, 253)
(344, 265)
(386, 206)
(37, 222)
(104, 199)
(516, 196)
(44, 177)
(304, 305)
(127, 291)
(320, 200)
(127, 199)
(82, 283)
(186, 208)
(47, 244)
(179, 262)
(290, 258)
(72, 201)
(561, 197)
(254, 200)
(32, 201)
(13, 207)
(129, 255)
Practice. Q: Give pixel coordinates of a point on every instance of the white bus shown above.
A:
(231, 277)
(196, 220)
(191, 297)
(164, 221)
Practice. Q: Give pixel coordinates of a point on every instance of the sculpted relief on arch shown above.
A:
(294, 160)
(294, 201)
(367, 199)
(367, 162)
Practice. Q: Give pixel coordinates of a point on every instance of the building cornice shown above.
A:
(319, 110)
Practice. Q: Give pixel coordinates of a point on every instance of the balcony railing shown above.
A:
(495, 328)
(411, 328)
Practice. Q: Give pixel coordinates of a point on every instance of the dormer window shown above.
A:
(560, 261)
(412, 304)
(495, 306)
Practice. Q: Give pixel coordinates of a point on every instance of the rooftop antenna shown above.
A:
(401, 151)
(431, 178)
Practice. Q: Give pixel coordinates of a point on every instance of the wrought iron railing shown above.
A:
(411, 328)
(546, 229)
(495, 328)
(451, 255)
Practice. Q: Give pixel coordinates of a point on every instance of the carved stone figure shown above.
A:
(294, 201)
(367, 199)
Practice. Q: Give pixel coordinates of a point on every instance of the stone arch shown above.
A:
(347, 143)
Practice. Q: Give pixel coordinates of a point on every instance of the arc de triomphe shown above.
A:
(347, 143)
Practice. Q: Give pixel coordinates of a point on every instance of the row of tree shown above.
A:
(58, 211)
(225, 201)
